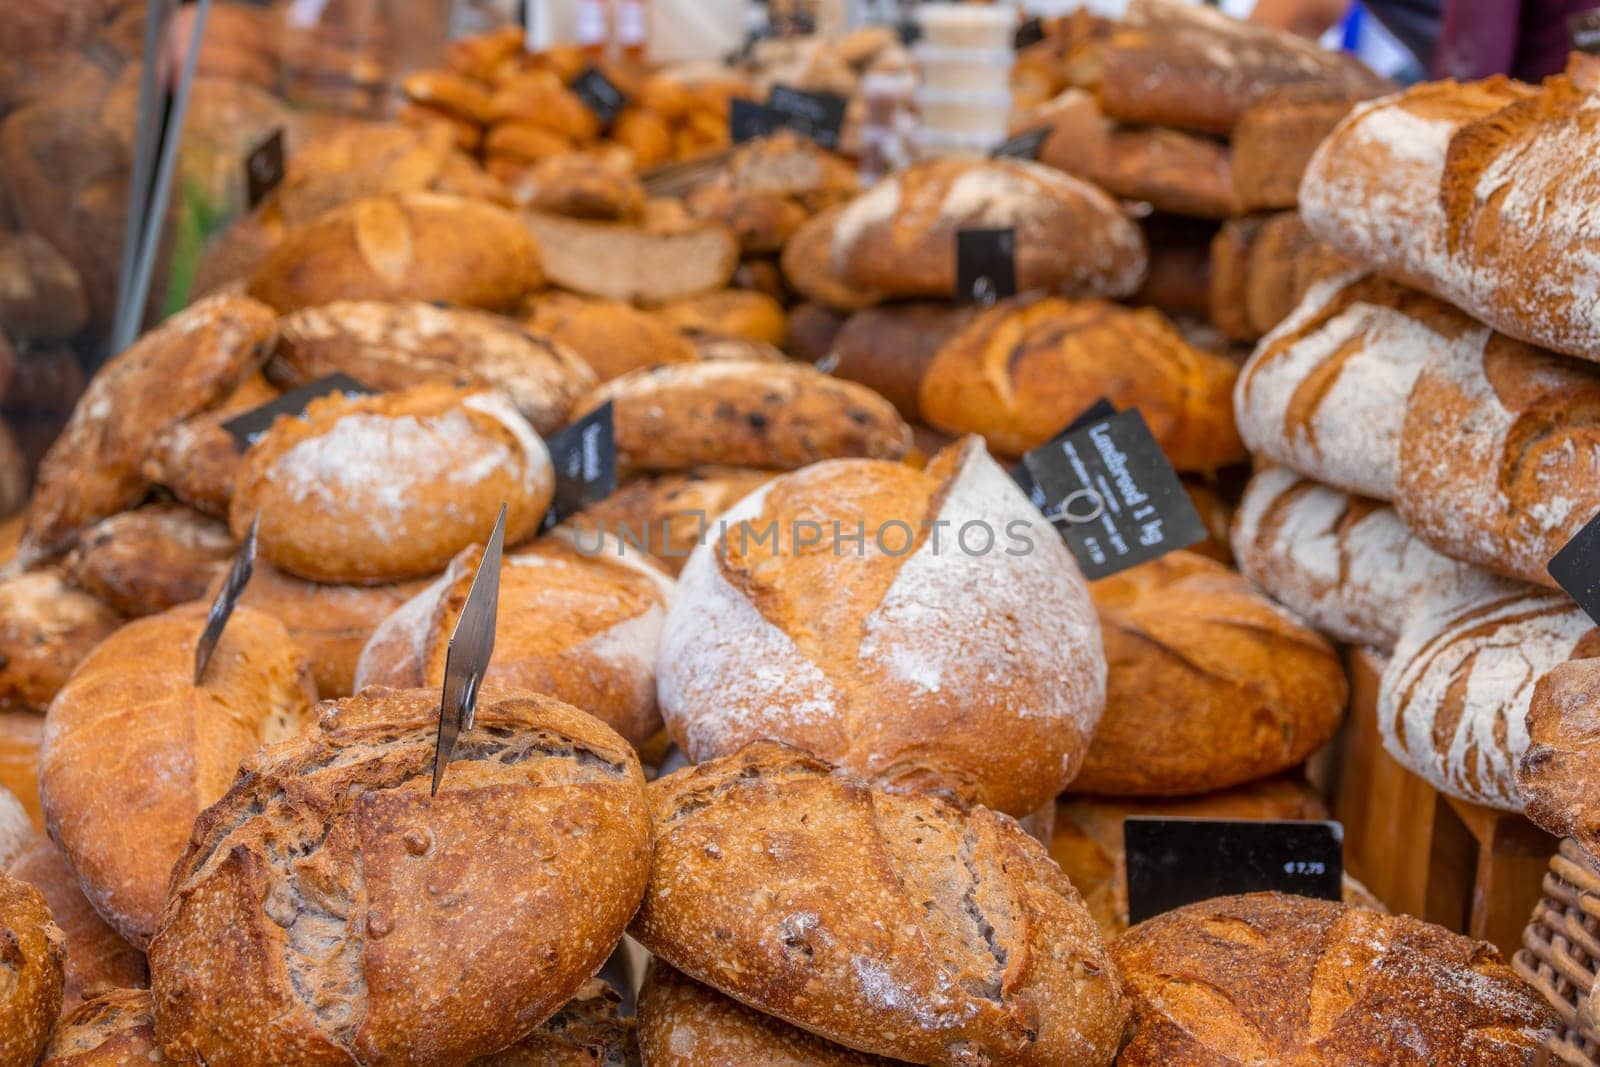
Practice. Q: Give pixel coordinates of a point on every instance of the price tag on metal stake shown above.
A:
(244, 565)
(585, 459)
(466, 660)
(247, 427)
(986, 266)
(263, 169)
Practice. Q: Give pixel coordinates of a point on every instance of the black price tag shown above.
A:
(585, 458)
(244, 565)
(1112, 495)
(1173, 862)
(1023, 145)
(1029, 33)
(909, 31)
(1100, 409)
(1576, 568)
(599, 95)
(748, 120)
(466, 659)
(248, 427)
(819, 116)
(1585, 29)
(263, 169)
(986, 266)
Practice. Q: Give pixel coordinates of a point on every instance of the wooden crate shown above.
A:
(1468, 868)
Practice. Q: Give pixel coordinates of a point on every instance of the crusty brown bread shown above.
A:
(1230, 277)
(683, 1023)
(769, 186)
(665, 516)
(388, 345)
(1557, 772)
(611, 336)
(889, 349)
(968, 666)
(581, 626)
(134, 750)
(734, 312)
(1208, 683)
(46, 628)
(150, 559)
(774, 416)
(30, 998)
(584, 185)
(587, 1031)
(115, 1029)
(358, 160)
(1027, 367)
(182, 367)
(413, 246)
(809, 268)
(621, 261)
(196, 460)
(41, 295)
(898, 925)
(1269, 978)
(21, 734)
(456, 923)
(899, 238)
(376, 489)
(16, 828)
(1274, 139)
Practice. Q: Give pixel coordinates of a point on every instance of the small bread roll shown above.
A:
(197, 460)
(150, 559)
(134, 750)
(611, 336)
(380, 488)
(30, 997)
(588, 1031)
(46, 628)
(736, 312)
(115, 1029)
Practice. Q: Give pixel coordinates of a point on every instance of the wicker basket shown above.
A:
(1562, 952)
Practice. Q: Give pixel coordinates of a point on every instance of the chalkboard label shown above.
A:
(584, 455)
(248, 427)
(986, 266)
(1576, 568)
(599, 95)
(819, 116)
(1023, 145)
(749, 121)
(263, 169)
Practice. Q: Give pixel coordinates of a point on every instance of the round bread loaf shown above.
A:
(770, 186)
(1269, 978)
(30, 998)
(395, 345)
(733, 312)
(582, 626)
(1557, 773)
(762, 221)
(926, 629)
(46, 628)
(685, 1024)
(21, 734)
(375, 489)
(894, 924)
(899, 238)
(414, 246)
(115, 1029)
(150, 559)
(808, 265)
(134, 750)
(812, 328)
(1024, 369)
(196, 459)
(583, 186)
(586, 1032)
(667, 516)
(772, 416)
(329, 910)
(889, 349)
(611, 336)
(1208, 683)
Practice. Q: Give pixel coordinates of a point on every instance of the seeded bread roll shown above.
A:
(586, 1032)
(30, 999)
(773, 416)
(134, 750)
(197, 460)
(611, 336)
(1028, 366)
(412, 246)
(115, 1029)
(734, 312)
(897, 925)
(1270, 978)
(180, 368)
(899, 238)
(376, 489)
(150, 559)
(664, 517)
(1208, 683)
(889, 349)
(968, 666)
(363, 921)
(21, 733)
(809, 268)
(581, 626)
(621, 261)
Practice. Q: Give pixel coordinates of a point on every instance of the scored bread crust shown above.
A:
(667, 515)
(376, 489)
(329, 911)
(894, 924)
(114, 1029)
(30, 998)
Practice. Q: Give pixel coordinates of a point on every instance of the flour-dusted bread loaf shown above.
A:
(1499, 456)
(134, 750)
(666, 516)
(969, 664)
(1271, 978)
(30, 998)
(1345, 564)
(411, 246)
(611, 336)
(809, 268)
(375, 489)
(1177, 64)
(1453, 702)
(587, 1031)
(683, 1023)
(1325, 393)
(182, 367)
(743, 414)
(899, 925)
(889, 349)
(623, 261)
(1208, 683)
(1275, 138)
(1558, 770)
(329, 910)
(581, 625)
(115, 1029)
(899, 238)
(21, 734)
(196, 460)
(394, 345)
(1024, 369)
(150, 559)
(46, 628)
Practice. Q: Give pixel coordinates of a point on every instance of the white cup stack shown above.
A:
(966, 52)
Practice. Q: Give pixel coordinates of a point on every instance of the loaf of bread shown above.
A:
(115, 1029)
(150, 559)
(586, 185)
(774, 416)
(899, 925)
(21, 734)
(1453, 702)
(1208, 683)
(1179, 279)
(1345, 564)
(375, 489)
(1274, 139)
(611, 336)
(196, 460)
(1027, 367)
(621, 261)
(685, 1024)
(899, 238)
(357, 160)
(1230, 277)
(809, 268)
(134, 750)
(30, 998)
(769, 186)
(889, 349)
(41, 295)
(367, 922)
(182, 367)
(46, 628)
(741, 313)
(412, 246)
(665, 516)
(587, 1031)
(1557, 774)
(1271, 978)
(1261, 267)
(969, 662)
(395, 345)
(1499, 455)
(1177, 64)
